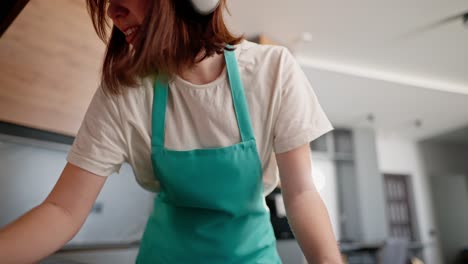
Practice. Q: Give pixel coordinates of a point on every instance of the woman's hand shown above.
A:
(305, 209)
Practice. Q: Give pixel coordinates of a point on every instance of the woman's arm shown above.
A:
(47, 227)
(305, 209)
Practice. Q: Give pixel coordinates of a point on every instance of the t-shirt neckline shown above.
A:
(180, 82)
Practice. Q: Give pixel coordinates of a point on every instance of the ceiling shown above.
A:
(366, 56)
(348, 100)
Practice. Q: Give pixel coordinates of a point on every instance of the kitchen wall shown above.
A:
(399, 155)
(444, 158)
(451, 209)
(447, 167)
(29, 170)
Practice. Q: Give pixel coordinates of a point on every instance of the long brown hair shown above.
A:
(171, 37)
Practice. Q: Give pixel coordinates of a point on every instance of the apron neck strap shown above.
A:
(238, 99)
(159, 112)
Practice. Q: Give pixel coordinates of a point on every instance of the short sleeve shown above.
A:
(300, 117)
(100, 147)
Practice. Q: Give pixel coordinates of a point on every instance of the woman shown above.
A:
(205, 119)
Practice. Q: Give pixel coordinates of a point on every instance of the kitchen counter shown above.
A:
(58, 260)
(100, 256)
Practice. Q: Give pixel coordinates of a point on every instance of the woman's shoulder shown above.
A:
(249, 48)
(252, 56)
(143, 86)
(248, 51)
(132, 101)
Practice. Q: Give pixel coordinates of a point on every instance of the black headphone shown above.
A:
(205, 7)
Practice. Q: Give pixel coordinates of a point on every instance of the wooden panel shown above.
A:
(49, 66)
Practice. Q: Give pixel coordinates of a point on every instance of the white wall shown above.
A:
(443, 158)
(447, 167)
(401, 156)
(451, 204)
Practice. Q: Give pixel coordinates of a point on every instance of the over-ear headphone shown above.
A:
(205, 7)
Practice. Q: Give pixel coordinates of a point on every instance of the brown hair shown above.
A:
(171, 37)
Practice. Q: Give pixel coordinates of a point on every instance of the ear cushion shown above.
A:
(205, 7)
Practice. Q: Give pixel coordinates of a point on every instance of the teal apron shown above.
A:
(210, 208)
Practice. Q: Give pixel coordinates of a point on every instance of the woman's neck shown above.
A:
(205, 71)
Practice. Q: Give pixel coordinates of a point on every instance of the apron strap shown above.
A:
(238, 99)
(159, 113)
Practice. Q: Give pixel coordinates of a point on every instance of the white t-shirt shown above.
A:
(283, 107)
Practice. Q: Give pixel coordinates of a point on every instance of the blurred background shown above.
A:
(392, 77)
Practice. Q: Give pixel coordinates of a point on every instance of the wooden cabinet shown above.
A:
(50, 60)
